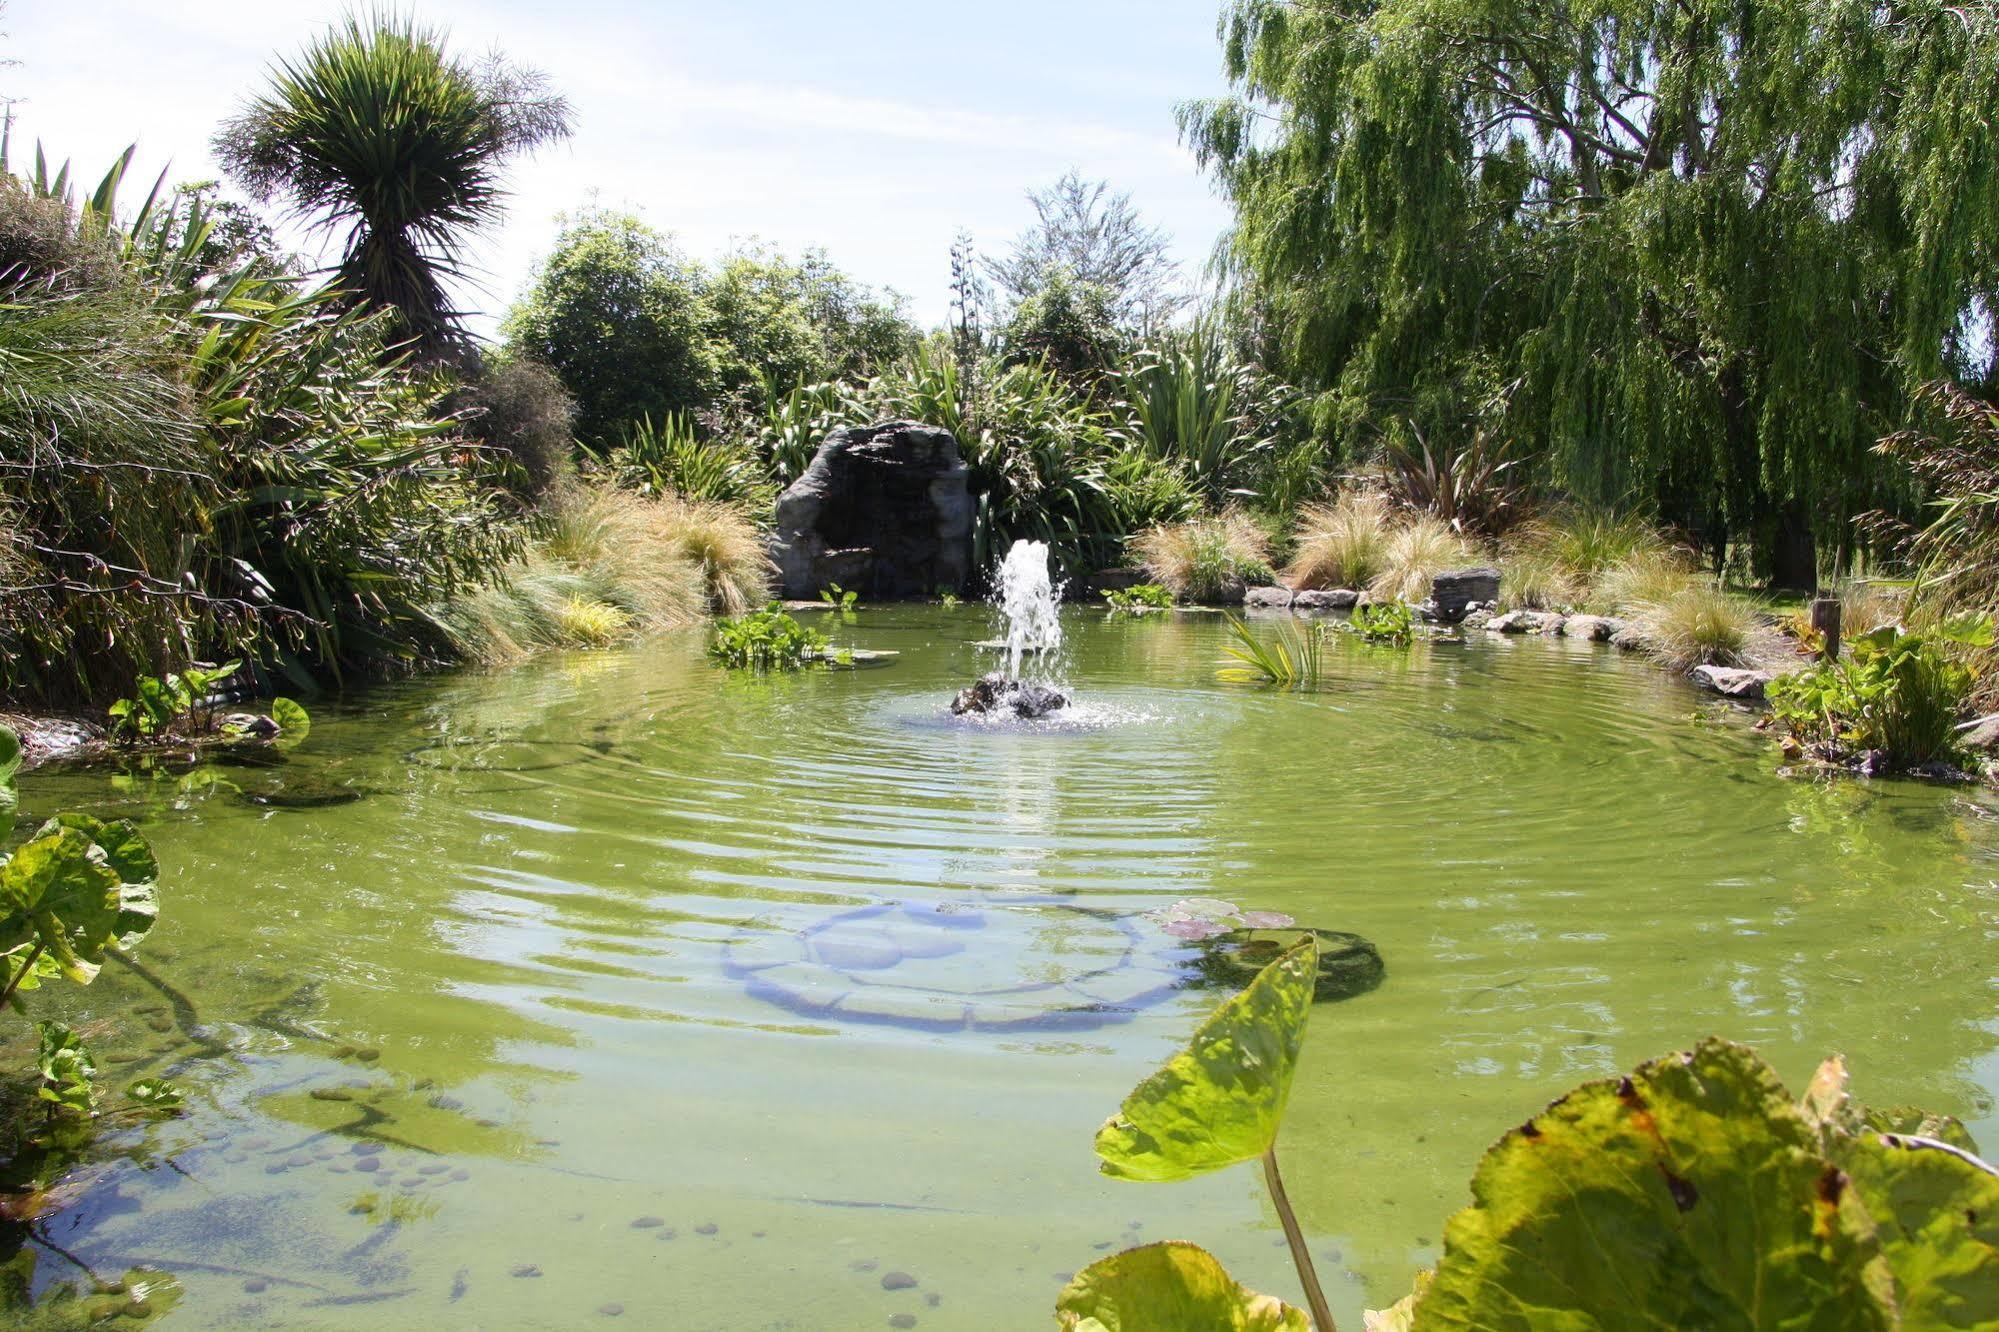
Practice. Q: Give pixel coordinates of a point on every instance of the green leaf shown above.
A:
(1399, 1316)
(1169, 1287)
(1690, 1194)
(1219, 1101)
(10, 754)
(294, 723)
(60, 890)
(1936, 1209)
(130, 857)
(155, 1094)
(1971, 630)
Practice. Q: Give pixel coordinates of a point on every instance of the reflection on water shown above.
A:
(617, 982)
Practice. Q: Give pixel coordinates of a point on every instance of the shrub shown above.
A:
(1201, 558)
(672, 458)
(1584, 541)
(1188, 397)
(1342, 544)
(1470, 489)
(1896, 692)
(520, 409)
(1533, 579)
(1416, 551)
(1700, 624)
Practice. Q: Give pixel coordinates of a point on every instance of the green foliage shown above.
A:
(840, 599)
(795, 421)
(1218, 1102)
(1342, 544)
(10, 764)
(766, 640)
(672, 458)
(164, 701)
(1208, 558)
(1088, 233)
(774, 321)
(68, 1071)
(1673, 225)
(294, 722)
(1955, 454)
(1067, 326)
(1192, 400)
(1696, 622)
(1293, 657)
(1382, 622)
(1139, 597)
(621, 318)
(77, 887)
(1896, 691)
(519, 409)
(377, 129)
(1167, 1287)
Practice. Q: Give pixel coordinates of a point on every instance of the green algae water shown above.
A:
(620, 990)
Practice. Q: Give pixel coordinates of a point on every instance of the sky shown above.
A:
(872, 129)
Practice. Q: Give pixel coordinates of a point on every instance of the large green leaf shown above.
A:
(294, 722)
(10, 754)
(131, 858)
(63, 890)
(1219, 1100)
(1690, 1194)
(1169, 1287)
(1936, 1209)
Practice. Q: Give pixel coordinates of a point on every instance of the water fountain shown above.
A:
(1031, 600)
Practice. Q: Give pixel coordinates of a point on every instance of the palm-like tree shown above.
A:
(377, 129)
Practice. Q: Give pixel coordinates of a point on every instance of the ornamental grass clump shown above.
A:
(1417, 551)
(1700, 624)
(1342, 544)
(1204, 559)
(723, 544)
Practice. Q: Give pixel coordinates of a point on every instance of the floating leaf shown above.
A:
(1690, 1194)
(1267, 920)
(64, 890)
(1195, 929)
(1169, 1287)
(1219, 1100)
(155, 1094)
(294, 723)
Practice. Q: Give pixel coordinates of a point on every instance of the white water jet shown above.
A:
(1030, 599)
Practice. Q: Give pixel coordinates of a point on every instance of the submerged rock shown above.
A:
(1453, 591)
(995, 693)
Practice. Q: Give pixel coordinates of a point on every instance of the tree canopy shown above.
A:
(1691, 253)
(1094, 236)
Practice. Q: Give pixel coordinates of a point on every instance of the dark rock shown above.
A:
(1336, 598)
(253, 725)
(1453, 591)
(1269, 598)
(897, 1281)
(883, 510)
(524, 1270)
(1230, 593)
(996, 693)
(649, 1223)
(902, 1320)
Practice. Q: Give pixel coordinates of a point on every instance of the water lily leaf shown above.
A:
(1219, 1100)
(1936, 1209)
(294, 723)
(1196, 929)
(1169, 1287)
(1690, 1194)
(1267, 920)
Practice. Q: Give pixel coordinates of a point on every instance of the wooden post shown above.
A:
(1825, 619)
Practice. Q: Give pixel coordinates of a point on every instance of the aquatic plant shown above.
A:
(1342, 544)
(1204, 559)
(1382, 622)
(1897, 692)
(766, 640)
(1138, 597)
(165, 700)
(1293, 657)
(1730, 1202)
(841, 599)
(1701, 623)
(1417, 550)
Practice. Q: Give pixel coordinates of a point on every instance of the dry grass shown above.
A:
(1532, 578)
(1646, 578)
(1342, 544)
(1415, 552)
(1699, 623)
(726, 547)
(1197, 559)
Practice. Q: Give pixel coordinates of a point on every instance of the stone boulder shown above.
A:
(1335, 598)
(1527, 622)
(1268, 598)
(1595, 628)
(1453, 591)
(1732, 682)
(883, 510)
(995, 693)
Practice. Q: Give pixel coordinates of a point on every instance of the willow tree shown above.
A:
(1699, 251)
(379, 131)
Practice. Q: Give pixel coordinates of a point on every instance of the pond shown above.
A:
(618, 986)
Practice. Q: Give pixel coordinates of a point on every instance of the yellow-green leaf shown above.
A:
(1219, 1100)
(1936, 1208)
(1691, 1194)
(1169, 1287)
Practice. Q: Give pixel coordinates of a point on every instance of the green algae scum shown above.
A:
(622, 987)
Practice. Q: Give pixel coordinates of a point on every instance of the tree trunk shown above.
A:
(1791, 554)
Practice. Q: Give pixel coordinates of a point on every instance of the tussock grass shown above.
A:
(724, 545)
(1342, 544)
(1198, 558)
(1645, 578)
(1700, 623)
(1423, 546)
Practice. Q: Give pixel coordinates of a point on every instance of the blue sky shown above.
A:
(873, 129)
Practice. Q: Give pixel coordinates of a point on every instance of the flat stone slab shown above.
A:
(1595, 628)
(1332, 598)
(1731, 681)
(1268, 598)
(1526, 622)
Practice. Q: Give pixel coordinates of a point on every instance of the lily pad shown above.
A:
(1169, 1287)
(1219, 1100)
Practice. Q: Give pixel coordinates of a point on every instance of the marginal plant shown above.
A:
(163, 701)
(1204, 559)
(1341, 544)
(1290, 658)
(1382, 622)
(671, 458)
(1895, 692)
(1417, 550)
(1138, 597)
(1696, 1189)
(768, 640)
(1699, 624)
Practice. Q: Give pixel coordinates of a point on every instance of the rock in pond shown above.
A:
(1527, 622)
(1453, 591)
(1731, 681)
(1268, 598)
(883, 509)
(1595, 628)
(995, 693)
(1332, 598)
